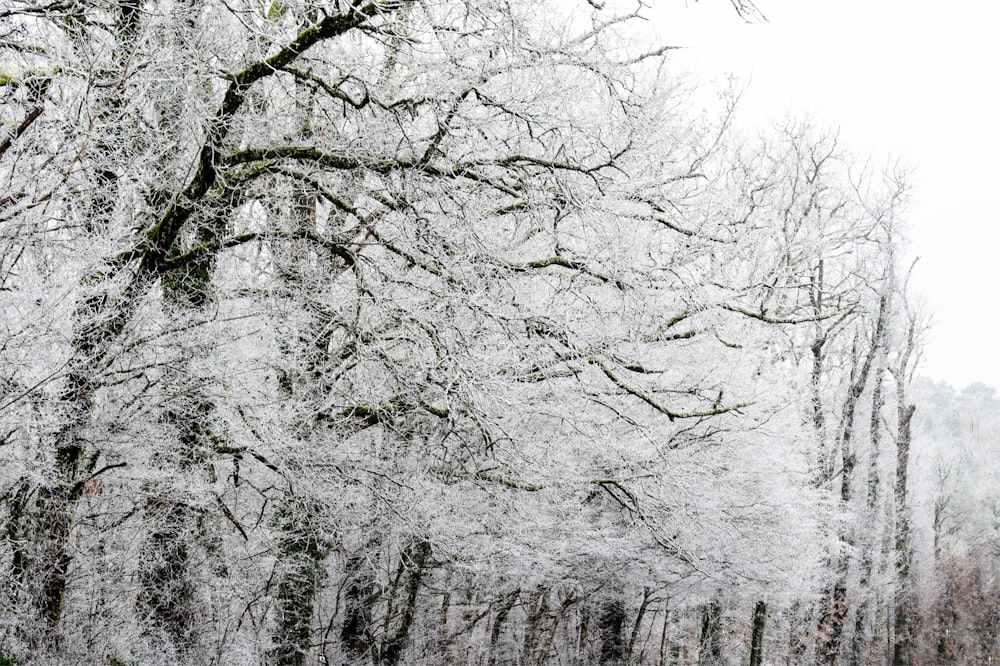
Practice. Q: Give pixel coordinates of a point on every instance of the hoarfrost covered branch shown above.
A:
(415, 332)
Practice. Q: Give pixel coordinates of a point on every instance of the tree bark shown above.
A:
(356, 635)
(637, 625)
(302, 554)
(582, 643)
(612, 623)
(497, 629)
(537, 612)
(710, 642)
(905, 624)
(906, 621)
(415, 561)
(42, 556)
(870, 600)
(836, 603)
(757, 634)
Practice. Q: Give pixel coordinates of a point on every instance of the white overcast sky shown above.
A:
(911, 79)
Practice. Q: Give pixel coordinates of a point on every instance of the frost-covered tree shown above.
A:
(954, 522)
(403, 331)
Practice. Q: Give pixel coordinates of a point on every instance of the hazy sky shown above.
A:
(909, 79)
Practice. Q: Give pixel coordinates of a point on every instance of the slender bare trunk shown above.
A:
(757, 634)
(906, 621)
(634, 636)
(414, 560)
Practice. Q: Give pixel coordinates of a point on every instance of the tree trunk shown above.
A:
(831, 622)
(634, 636)
(414, 559)
(537, 611)
(302, 554)
(356, 634)
(582, 643)
(835, 604)
(710, 642)
(42, 556)
(497, 629)
(870, 601)
(612, 623)
(906, 624)
(664, 636)
(166, 588)
(564, 607)
(797, 643)
(165, 575)
(757, 635)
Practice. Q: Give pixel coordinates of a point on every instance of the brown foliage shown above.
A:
(962, 625)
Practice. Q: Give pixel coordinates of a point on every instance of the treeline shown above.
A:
(402, 332)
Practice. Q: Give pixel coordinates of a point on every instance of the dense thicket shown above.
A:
(435, 332)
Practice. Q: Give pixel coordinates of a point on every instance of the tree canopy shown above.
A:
(433, 332)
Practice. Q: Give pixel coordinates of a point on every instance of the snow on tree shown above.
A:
(415, 332)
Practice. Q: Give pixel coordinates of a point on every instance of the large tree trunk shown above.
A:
(906, 621)
(356, 635)
(870, 600)
(637, 625)
(537, 612)
(906, 610)
(496, 631)
(165, 575)
(42, 556)
(301, 553)
(710, 642)
(166, 588)
(799, 626)
(836, 603)
(611, 629)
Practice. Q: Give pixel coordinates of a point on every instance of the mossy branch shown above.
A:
(510, 483)
(563, 262)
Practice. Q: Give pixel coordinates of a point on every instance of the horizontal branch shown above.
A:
(385, 412)
(195, 253)
(381, 165)
(673, 226)
(563, 262)
(510, 483)
(516, 160)
(79, 486)
(318, 157)
(334, 90)
(659, 406)
(670, 337)
(661, 216)
(766, 318)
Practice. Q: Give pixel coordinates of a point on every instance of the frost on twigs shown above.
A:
(415, 332)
